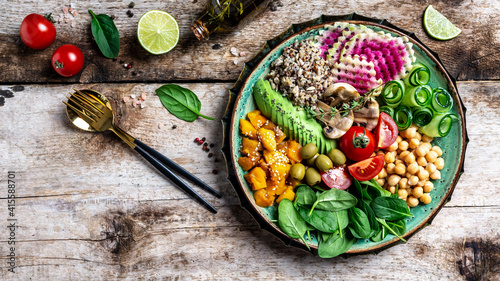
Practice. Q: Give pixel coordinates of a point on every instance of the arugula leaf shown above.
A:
(290, 221)
(181, 102)
(105, 34)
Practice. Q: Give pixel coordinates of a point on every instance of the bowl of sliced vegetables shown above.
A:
(344, 135)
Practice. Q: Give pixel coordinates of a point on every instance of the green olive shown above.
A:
(310, 161)
(308, 150)
(312, 176)
(323, 163)
(337, 157)
(298, 171)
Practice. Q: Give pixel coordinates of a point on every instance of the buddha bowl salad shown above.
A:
(341, 142)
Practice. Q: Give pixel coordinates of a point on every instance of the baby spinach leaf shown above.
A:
(359, 223)
(365, 207)
(398, 226)
(342, 220)
(336, 245)
(304, 196)
(181, 102)
(390, 208)
(326, 236)
(324, 221)
(290, 221)
(375, 190)
(379, 235)
(384, 223)
(334, 200)
(105, 34)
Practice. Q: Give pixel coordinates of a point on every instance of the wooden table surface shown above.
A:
(89, 208)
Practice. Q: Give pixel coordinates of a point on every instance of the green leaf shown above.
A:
(105, 34)
(335, 245)
(390, 208)
(359, 223)
(384, 223)
(290, 221)
(324, 221)
(365, 207)
(181, 102)
(334, 200)
(304, 196)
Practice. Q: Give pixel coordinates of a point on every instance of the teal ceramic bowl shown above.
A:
(242, 102)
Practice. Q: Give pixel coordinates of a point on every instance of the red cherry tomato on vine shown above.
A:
(367, 169)
(386, 131)
(37, 32)
(67, 60)
(357, 144)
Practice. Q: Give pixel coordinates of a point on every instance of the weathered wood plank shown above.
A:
(89, 207)
(474, 55)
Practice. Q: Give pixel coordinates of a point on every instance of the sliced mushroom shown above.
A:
(338, 93)
(339, 125)
(368, 115)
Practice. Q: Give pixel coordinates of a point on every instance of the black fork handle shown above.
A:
(174, 178)
(174, 166)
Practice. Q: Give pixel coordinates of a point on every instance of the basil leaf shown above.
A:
(181, 102)
(290, 221)
(324, 221)
(105, 34)
(334, 200)
(390, 208)
(335, 245)
(304, 196)
(359, 223)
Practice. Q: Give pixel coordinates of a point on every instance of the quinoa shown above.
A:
(301, 74)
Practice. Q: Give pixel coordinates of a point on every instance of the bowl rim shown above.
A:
(245, 75)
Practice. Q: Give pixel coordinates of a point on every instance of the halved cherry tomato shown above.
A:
(367, 169)
(357, 143)
(386, 131)
(37, 32)
(337, 177)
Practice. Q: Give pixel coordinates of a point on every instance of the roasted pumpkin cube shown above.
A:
(257, 119)
(247, 163)
(294, 151)
(275, 157)
(288, 194)
(267, 138)
(293, 182)
(250, 147)
(282, 147)
(263, 198)
(263, 164)
(269, 125)
(276, 187)
(247, 129)
(279, 171)
(279, 135)
(256, 178)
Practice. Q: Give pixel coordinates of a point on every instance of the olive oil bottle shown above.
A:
(226, 15)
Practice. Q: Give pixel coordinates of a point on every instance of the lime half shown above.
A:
(438, 26)
(158, 32)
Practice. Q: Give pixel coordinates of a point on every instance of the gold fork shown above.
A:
(93, 109)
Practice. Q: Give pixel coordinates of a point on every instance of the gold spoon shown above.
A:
(92, 111)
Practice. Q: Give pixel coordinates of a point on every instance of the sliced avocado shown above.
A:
(261, 97)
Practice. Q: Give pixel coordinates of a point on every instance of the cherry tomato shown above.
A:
(386, 131)
(337, 177)
(37, 32)
(357, 143)
(368, 168)
(67, 60)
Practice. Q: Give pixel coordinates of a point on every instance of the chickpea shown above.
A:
(403, 183)
(393, 180)
(382, 174)
(413, 180)
(393, 146)
(414, 143)
(403, 154)
(428, 186)
(425, 198)
(380, 152)
(403, 145)
(439, 163)
(398, 161)
(399, 139)
(427, 138)
(412, 201)
(381, 182)
(421, 161)
(423, 174)
(390, 157)
(437, 149)
(421, 150)
(410, 158)
(400, 169)
(436, 175)
(408, 174)
(431, 168)
(412, 168)
(418, 136)
(421, 183)
(431, 156)
(392, 189)
(390, 168)
(417, 192)
(402, 193)
(428, 145)
(411, 132)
